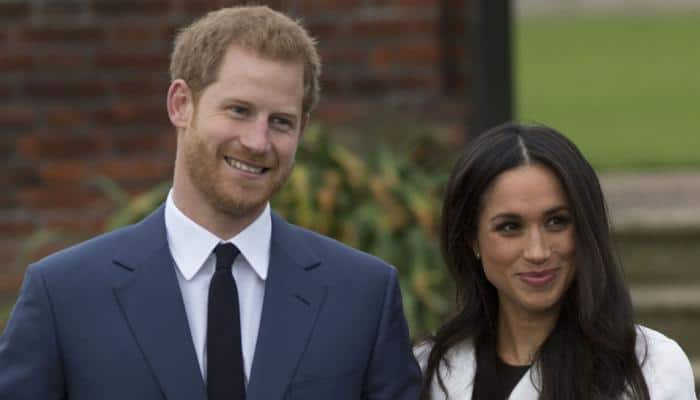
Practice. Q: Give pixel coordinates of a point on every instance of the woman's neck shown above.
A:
(520, 334)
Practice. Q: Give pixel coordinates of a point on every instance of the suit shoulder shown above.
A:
(343, 254)
(100, 247)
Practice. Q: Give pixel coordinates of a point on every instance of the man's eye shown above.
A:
(282, 123)
(239, 110)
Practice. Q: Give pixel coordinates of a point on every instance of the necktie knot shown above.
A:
(225, 253)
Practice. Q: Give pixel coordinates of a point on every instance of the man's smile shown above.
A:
(237, 164)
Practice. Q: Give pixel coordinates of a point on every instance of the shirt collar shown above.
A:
(191, 244)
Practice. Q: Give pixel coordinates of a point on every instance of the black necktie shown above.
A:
(225, 378)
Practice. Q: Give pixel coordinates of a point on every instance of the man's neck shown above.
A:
(204, 214)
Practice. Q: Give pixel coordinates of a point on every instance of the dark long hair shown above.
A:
(590, 353)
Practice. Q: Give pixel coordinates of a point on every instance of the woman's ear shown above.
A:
(180, 104)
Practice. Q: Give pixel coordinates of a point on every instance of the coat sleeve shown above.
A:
(30, 365)
(393, 373)
(666, 368)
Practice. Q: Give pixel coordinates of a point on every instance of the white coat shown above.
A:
(665, 367)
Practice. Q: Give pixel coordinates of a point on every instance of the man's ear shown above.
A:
(180, 104)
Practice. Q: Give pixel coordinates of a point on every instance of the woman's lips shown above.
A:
(538, 278)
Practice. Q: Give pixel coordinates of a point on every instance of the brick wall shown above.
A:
(83, 84)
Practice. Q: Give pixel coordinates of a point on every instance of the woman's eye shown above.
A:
(508, 227)
(559, 221)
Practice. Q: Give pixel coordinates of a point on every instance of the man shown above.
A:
(213, 296)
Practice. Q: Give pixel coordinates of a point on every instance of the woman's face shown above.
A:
(526, 240)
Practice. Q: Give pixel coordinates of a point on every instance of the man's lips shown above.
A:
(538, 278)
(245, 167)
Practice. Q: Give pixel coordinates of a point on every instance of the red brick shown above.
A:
(62, 35)
(60, 197)
(66, 146)
(53, 90)
(134, 61)
(412, 2)
(13, 227)
(62, 172)
(23, 175)
(129, 113)
(27, 146)
(332, 85)
(8, 146)
(77, 228)
(169, 142)
(5, 91)
(308, 7)
(199, 7)
(143, 87)
(135, 169)
(14, 62)
(64, 117)
(16, 117)
(121, 8)
(61, 62)
(385, 84)
(397, 26)
(10, 281)
(342, 111)
(8, 199)
(406, 55)
(64, 8)
(339, 55)
(133, 33)
(324, 30)
(14, 10)
(138, 144)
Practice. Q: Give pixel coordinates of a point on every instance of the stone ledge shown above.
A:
(656, 220)
(666, 297)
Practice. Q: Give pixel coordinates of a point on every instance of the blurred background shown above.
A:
(87, 147)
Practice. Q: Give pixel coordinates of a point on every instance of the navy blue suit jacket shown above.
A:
(105, 320)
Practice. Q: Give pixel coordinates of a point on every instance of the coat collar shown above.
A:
(154, 309)
(292, 303)
(153, 306)
(458, 372)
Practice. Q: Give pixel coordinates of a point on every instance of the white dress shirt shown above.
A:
(192, 248)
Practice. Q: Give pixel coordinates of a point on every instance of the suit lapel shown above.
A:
(291, 305)
(153, 306)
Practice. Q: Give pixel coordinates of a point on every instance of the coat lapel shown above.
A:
(525, 389)
(291, 305)
(459, 377)
(152, 304)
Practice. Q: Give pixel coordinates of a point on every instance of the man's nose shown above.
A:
(255, 138)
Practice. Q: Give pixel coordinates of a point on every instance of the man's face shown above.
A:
(239, 146)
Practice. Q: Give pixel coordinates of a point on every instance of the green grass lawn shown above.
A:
(626, 89)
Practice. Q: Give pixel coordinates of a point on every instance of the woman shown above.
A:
(542, 308)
